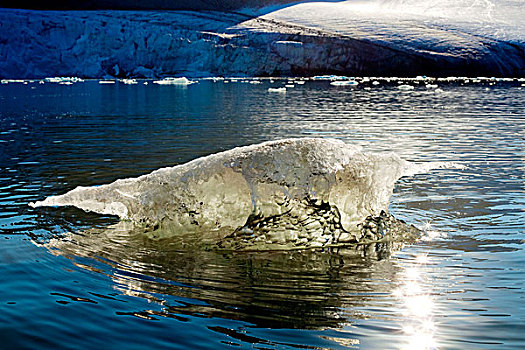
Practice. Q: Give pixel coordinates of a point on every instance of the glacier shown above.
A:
(352, 38)
(285, 194)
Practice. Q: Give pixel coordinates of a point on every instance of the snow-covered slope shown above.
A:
(396, 37)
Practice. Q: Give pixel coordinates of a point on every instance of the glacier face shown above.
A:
(280, 194)
(349, 37)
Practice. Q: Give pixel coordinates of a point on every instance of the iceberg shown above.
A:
(285, 194)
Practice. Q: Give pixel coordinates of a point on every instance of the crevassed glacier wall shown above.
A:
(96, 44)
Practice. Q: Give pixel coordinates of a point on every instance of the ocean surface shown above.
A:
(461, 286)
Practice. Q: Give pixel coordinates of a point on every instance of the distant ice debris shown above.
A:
(280, 90)
(63, 80)
(344, 83)
(183, 81)
(7, 81)
(329, 77)
(106, 82)
(289, 86)
(431, 86)
(129, 81)
(405, 87)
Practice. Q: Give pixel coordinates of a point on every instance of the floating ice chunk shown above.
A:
(405, 87)
(64, 79)
(289, 86)
(129, 81)
(255, 82)
(330, 77)
(318, 189)
(65, 83)
(344, 83)
(280, 90)
(300, 82)
(7, 81)
(431, 86)
(375, 82)
(174, 81)
(106, 82)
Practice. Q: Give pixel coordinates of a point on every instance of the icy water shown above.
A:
(460, 287)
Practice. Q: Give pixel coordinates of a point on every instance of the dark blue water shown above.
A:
(460, 287)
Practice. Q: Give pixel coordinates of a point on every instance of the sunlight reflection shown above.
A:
(418, 307)
(430, 234)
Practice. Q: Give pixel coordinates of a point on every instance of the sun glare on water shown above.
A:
(418, 306)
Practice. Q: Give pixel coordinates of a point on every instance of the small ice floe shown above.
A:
(106, 82)
(330, 77)
(438, 90)
(344, 83)
(300, 82)
(405, 87)
(255, 82)
(368, 88)
(65, 83)
(375, 82)
(183, 81)
(7, 81)
(214, 79)
(64, 80)
(290, 86)
(145, 83)
(281, 90)
(431, 86)
(129, 81)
